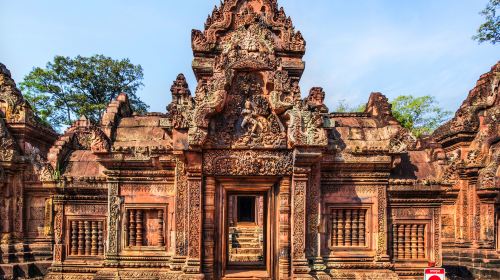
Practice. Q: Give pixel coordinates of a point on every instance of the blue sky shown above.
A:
(353, 47)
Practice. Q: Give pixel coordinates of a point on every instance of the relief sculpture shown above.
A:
(243, 177)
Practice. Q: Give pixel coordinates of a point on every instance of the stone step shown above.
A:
(245, 245)
(238, 251)
(246, 238)
(246, 258)
(246, 231)
(247, 234)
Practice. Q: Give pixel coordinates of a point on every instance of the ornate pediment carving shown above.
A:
(82, 135)
(11, 99)
(248, 98)
(466, 122)
(41, 166)
(235, 14)
(8, 146)
(13, 107)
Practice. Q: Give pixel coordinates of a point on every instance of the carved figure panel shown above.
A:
(247, 120)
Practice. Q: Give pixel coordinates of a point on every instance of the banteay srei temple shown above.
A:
(247, 177)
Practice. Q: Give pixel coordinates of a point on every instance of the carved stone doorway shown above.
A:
(247, 226)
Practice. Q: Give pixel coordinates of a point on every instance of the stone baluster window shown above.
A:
(86, 238)
(144, 227)
(409, 241)
(348, 227)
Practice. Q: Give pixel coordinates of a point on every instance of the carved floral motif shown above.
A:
(244, 163)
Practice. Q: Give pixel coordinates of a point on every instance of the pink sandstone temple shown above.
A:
(246, 179)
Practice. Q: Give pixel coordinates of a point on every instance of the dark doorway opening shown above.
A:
(246, 209)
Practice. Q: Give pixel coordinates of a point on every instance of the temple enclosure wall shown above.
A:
(246, 179)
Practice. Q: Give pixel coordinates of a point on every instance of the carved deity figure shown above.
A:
(250, 118)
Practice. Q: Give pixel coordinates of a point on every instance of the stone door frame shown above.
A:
(251, 185)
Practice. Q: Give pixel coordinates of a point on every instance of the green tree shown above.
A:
(421, 115)
(68, 88)
(343, 107)
(489, 31)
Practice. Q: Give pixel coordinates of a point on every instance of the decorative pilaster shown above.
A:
(114, 204)
(300, 267)
(284, 228)
(382, 253)
(314, 218)
(181, 206)
(58, 233)
(438, 258)
(487, 200)
(194, 188)
(209, 228)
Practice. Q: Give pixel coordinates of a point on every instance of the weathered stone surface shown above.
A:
(341, 195)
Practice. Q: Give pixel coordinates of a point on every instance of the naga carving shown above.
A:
(210, 99)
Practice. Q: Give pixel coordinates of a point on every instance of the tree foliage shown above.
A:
(343, 107)
(489, 31)
(68, 88)
(421, 115)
